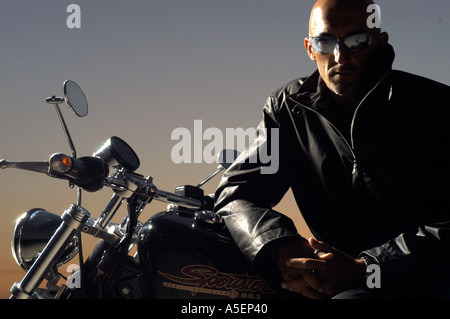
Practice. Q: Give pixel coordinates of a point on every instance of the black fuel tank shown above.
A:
(186, 255)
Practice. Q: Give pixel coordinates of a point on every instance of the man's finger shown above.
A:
(319, 244)
(307, 263)
(302, 287)
(311, 279)
(325, 250)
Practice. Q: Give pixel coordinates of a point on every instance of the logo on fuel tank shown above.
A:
(209, 280)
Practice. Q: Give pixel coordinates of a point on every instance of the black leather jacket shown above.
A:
(376, 182)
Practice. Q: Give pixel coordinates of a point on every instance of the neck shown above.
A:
(346, 103)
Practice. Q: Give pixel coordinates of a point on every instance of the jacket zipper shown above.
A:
(351, 145)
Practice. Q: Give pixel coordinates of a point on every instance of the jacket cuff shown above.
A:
(392, 269)
(266, 259)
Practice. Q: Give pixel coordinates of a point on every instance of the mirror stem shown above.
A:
(55, 101)
(69, 140)
(217, 171)
(66, 131)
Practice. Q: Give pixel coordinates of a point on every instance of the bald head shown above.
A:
(346, 72)
(325, 11)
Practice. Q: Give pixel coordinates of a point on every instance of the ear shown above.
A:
(308, 48)
(382, 40)
(383, 37)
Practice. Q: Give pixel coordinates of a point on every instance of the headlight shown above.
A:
(32, 232)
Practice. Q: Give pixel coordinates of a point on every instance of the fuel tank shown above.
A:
(187, 255)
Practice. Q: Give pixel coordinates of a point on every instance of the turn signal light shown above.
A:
(67, 161)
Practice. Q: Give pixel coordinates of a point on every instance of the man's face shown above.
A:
(343, 71)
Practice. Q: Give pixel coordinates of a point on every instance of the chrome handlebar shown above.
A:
(122, 182)
(128, 183)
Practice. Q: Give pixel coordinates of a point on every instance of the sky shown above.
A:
(150, 67)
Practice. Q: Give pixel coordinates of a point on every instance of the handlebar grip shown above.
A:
(86, 172)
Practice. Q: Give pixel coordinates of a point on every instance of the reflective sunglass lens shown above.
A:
(354, 42)
(323, 45)
(358, 41)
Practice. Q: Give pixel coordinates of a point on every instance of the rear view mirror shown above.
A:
(75, 98)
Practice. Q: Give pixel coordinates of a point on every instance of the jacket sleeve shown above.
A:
(252, 186)
(420, 259)
(415, 260)
(422, 256)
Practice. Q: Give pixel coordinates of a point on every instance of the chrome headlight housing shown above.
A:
(32, 231)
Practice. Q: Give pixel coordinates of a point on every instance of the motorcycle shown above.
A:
(183, 252)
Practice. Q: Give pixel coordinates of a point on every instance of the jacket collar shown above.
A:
(314, 93)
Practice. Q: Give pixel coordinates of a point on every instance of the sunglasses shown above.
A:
(354, 42)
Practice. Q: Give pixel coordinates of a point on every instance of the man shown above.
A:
(365, 150)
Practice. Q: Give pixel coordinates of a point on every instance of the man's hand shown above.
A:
(299, 279)
(333, 271)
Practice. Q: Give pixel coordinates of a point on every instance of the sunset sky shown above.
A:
(150, 67)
